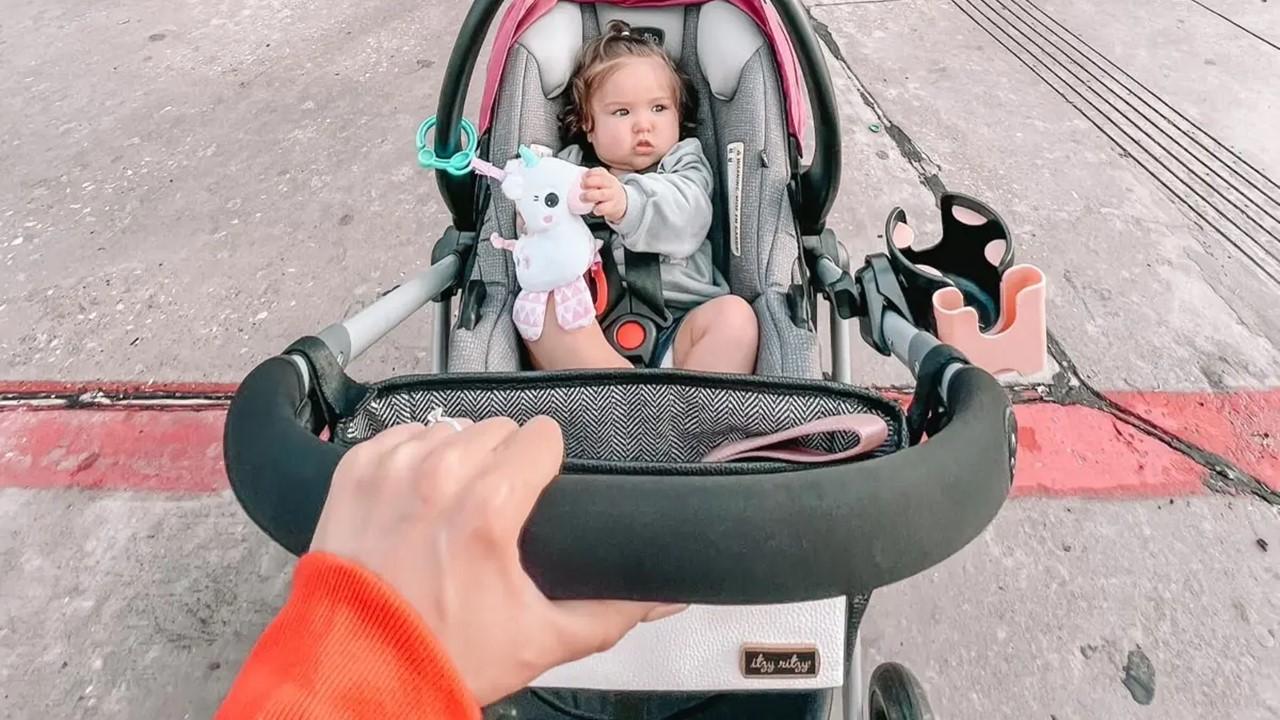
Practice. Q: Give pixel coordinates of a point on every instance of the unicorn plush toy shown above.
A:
(555, 248)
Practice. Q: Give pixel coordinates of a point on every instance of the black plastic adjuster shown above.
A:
(928, 414)
(458, 243)
(879, 290)
(830, 274)
(472, 299)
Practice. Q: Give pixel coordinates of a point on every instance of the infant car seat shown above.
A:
(743, 129)
(742, 124)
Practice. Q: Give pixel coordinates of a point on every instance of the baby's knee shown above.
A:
(736, 317)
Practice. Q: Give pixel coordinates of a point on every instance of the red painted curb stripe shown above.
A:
(1064, 450)
(117, 449)
(1243, 427)
(1070, 450)
(29, 389)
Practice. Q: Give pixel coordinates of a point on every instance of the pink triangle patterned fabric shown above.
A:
(574, 309)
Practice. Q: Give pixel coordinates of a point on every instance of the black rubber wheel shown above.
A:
(895, 694)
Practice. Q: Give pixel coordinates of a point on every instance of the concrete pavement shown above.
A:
(187, 186)
(1145, 293)
(1038, 618)
(143, 606)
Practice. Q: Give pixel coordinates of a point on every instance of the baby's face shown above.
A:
(634, 117)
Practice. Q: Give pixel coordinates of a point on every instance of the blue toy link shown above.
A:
(464, 161)
(457, 165)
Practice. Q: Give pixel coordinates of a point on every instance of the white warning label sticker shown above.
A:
(733, 169)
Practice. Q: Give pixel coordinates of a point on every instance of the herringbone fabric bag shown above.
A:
(634, 422)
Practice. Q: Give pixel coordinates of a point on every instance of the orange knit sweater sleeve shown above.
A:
(346, 645)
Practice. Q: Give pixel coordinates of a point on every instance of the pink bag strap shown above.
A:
(870, 429)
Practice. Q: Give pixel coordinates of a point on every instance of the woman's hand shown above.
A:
(606, 193)
(436, 513)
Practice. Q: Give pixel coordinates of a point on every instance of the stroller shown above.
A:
(778, 558)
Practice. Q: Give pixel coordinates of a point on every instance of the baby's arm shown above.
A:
(669, 211)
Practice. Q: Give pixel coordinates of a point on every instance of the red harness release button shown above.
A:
(630, 335)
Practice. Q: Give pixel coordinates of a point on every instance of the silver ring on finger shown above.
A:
(437, 416)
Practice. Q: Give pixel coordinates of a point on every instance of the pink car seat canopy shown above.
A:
(521, 14)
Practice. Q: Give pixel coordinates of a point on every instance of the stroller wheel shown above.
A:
(895, 694)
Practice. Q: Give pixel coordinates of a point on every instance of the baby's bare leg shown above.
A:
(560, 349)
(720, 335)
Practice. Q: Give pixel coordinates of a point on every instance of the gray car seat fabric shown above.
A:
(742, 127)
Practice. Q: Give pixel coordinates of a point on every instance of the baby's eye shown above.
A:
(659, 108)
(621, 112)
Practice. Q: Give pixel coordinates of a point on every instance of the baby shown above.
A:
(629, 107)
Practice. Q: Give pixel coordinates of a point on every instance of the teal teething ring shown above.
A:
(457, 165)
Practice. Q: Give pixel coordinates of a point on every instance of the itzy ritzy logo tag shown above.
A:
(779, 662)
(652, 34)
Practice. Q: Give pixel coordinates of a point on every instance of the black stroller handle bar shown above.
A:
(816, 186)
(812, 533)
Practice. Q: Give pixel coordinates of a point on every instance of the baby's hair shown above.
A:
(597, 61)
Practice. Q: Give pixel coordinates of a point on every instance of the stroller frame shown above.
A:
(953, 485)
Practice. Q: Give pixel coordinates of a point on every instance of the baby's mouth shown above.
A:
(644, 146)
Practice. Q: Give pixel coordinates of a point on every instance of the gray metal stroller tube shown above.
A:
(442, 318)
(350, 338)
(841, 363)
(909, 344)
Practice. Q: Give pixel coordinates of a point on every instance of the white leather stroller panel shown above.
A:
(701, 650)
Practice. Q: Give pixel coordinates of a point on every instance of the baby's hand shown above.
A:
(605, 192)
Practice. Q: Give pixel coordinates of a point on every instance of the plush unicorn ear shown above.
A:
(513, 183)
(576, 204)
(529, 157)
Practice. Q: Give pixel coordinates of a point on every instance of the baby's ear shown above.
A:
(576, 204)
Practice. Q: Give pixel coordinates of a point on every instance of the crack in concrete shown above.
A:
(926, 169)
(1070, 388)
(109, 399)
(1068, 385)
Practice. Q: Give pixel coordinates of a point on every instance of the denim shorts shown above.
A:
(664, 342)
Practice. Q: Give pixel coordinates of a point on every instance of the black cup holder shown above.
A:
(967, 257)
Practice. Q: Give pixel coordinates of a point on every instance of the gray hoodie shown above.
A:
(669, 213)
